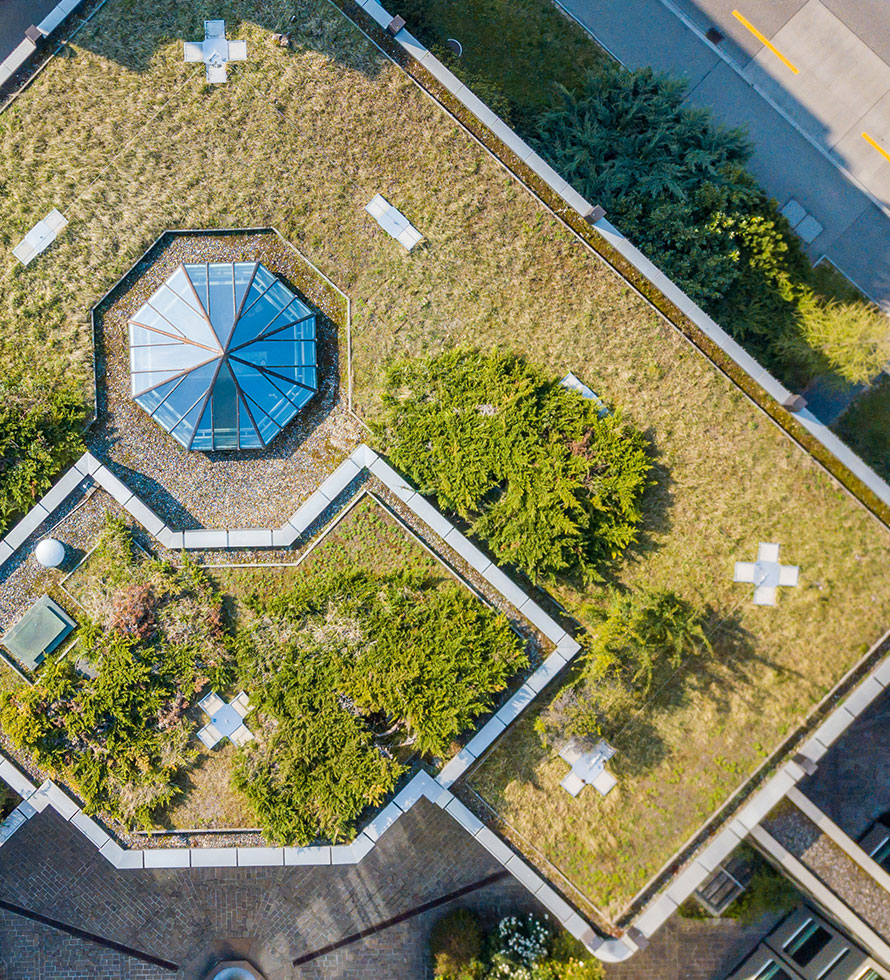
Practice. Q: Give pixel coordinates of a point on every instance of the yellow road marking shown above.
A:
(765, 41)
(877, 146)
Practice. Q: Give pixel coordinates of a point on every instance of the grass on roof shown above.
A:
(303, 140)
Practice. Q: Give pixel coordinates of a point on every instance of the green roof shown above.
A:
(38, 632)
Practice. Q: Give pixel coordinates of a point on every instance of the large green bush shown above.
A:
(545, 481)
(356, 668)
(122, 736)
(676, 184)
(39, 434)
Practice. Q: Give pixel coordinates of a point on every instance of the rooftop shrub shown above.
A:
(546, 481)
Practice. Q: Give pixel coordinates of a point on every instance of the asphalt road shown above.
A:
(806, 124)
(16, 16)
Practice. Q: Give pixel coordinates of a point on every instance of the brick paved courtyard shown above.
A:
(269, 915)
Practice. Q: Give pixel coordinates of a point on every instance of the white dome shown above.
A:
(50, 553)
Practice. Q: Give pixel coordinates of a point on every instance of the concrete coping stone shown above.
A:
(119, 857)
(419, 785)
(455, 768)
(363, 455)
(87, 464)
(61, 490)
(52, 20)
(361, 847)
(392, 480)
(479, 109)
(546, 173)
(834, 726)
(168, 857)
(546, 672)
(6, 551)
(509, 138)
(310, 510)
(656, 915)
(410, 43)
(342, 854)
(882, 672)
(340, 479)
(377, 12)
(26, 810)
(26, 527)
(464, 816)
(214, 857)
(250, 537)
(175, 540)
(487, 734)
(472, 555)
(863, 696)
(429, 515)
(90, 829)
(687, 881)
(111, 484)
(505, 585)
(575, 200)
(260, 857)
(568, 647)
(579, 927)
(58, 800)
(16, 779)
(544, 622)
(383, 821)
(524, 874)
(719, 849)
(550, 898)
(284, 537)
(438, 70)
(813, 749)
(494, 845)
(765, 799)
(145, 515)
(11, 824)
(204, 538)
(314, 855)
(516, 705)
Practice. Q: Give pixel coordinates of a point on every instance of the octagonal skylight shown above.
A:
(223, 355)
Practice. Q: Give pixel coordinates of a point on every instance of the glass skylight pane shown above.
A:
(149, 317)
(222, 301)
(151, 399)
(243, 278)
(176, 355)
(203, 437)
(161, 357)
(150, 379)
(183, 431)
(249, 439)
(225, 411)
(193, 389)
(197, 272)
(192, 324)
(179, 283)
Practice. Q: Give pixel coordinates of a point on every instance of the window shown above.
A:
(772, 971)
(807, 942)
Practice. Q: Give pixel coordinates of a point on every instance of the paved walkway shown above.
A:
(852, 783)
(269, 915)
(856, 234)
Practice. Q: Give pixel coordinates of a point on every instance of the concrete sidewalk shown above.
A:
(856, 233)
